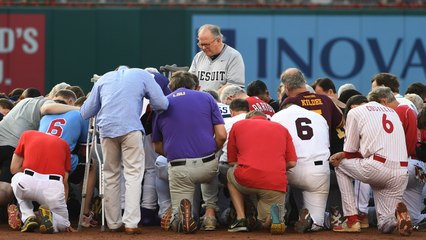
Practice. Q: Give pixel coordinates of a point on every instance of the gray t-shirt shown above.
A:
(24, 116)
(228, 67)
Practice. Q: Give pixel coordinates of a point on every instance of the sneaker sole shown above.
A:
(404, 222)
(46, 225)
(13, 217)
(238, 229)
(277, 228)
(30, 227)
(347, 230)
(166, 219)
(188, 223)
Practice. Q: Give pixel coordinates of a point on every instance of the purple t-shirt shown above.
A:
(186, 127)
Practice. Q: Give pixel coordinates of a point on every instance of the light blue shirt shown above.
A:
(117, 97)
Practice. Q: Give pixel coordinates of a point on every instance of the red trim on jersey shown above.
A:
(350, 155)
(378, 158)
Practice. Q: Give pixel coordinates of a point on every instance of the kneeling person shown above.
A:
(41, 164)
(261, 152)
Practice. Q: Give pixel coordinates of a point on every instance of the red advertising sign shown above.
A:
(22, 62)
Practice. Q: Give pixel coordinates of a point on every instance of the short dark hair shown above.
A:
(67, 94)
(30, 93)
(213, 93)
(256, 88)
(238, 105)
(79, 102)
(354, 100)
(417, 88)
(6, 103)
(77, 90)
(182, 79)
(388, 80)
(345, 95)
(325, 83)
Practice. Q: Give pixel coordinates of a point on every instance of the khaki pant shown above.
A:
(127, 150)
(182, 179)
(265, 198)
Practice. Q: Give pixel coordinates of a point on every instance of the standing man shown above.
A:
(41, 164)
(217, 63)
(375, 153)
(116, 100)
(189, 134)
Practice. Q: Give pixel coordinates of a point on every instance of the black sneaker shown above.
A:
(240, 225)
(30, 224)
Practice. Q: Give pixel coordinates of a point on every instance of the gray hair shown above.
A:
(344, 87)
(56, 89)
(230, 91)
(214, 29)
(379, 93)
(416, 100)
(293, 78)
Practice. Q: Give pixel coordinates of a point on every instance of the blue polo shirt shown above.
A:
(186, 127)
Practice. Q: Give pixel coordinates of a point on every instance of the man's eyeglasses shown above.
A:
(205, 45)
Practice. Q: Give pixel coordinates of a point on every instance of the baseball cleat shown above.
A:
(46, 223)
(403, 218)
(14, 217)
(30, 224)
(188, 223)
(305, 221)
(349, 227)
(166, 219)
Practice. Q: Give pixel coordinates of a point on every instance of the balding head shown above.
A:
(293, 79)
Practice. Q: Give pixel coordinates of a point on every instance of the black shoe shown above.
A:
(240, 225)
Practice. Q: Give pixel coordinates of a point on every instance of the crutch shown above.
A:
(168, 70)
(90, 148)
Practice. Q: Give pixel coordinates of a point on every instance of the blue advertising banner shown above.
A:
(347, 49)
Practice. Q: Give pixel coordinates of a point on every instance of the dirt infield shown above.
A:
(158, 233)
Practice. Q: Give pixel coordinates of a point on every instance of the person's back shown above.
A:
(35, 147)
(261, 148)
(119, 102)
(374, 130)
(25, 115)
(69, 126)
(309, 131)
(191, 115)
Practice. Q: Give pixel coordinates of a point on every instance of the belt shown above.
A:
(383, 160)
(51, 177)
(181, 163)
(318, 163)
